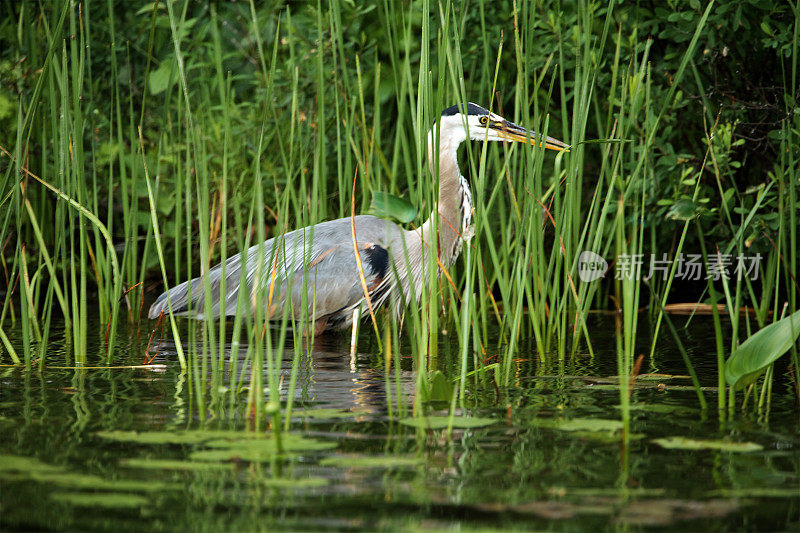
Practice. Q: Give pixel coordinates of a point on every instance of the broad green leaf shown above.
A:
(293, 482)
(161, 79)
(81, 481)
(371, 461)
(762, 349)
(684, 443)
(149, 7)
(683, 209)
(439, 388)
(110, 500)
(171, 437)
(440, 422)
(171, 464)
(326, 413)
(27, 465)
(579, 424)
(258, 449)
(385, 205)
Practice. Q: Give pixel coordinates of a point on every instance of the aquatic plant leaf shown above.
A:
(579, 424)
(385, 205)
(29, 468)
(604, 436)
(325, 413)
(174, 437)
(230, 454)
(665, 512)
(79, 480)
(26, 465)
(756, 492)
(760, 350)
(439, 388)
(258, 449)
(660, 408)
(372, 461)
(171, 464)
(289, 442)
(439, 422)
(100, 499)
(685, 443)
(293, 482)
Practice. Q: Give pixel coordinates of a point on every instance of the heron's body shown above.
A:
(316, 267)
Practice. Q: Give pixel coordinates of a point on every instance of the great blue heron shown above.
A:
(316, 267)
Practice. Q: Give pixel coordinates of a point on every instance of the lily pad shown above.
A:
(660, 408)
(371, 461)
(293, 483)
(257, 449)
(579, 424)
(325, 413)
(29, 468)
(171, 464)
(173, 437)
(757, 492)
(26, 465)
(100, 499)
(439, 422)
(685, 443)
(78, 480)
(605, 436)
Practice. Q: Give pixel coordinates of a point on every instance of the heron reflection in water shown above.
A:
(316, 267)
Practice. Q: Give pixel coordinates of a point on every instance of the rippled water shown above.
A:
(63, 467)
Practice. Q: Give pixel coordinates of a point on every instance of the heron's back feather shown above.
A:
(316, 266)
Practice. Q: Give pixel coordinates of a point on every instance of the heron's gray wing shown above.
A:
(315, 267)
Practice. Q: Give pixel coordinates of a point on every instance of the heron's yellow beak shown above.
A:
(513, 132)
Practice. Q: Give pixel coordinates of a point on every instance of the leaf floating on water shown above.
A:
(685, 443)
(385, 205)
(293, 483)
(100, 499)
(79, 480)
(608, 437)
(664, 512)
(579, 424)
(26, 465)
(760, 350)
(256, 450)
(174, 437)
(757, 492)
(171, 464)
(325, 413)
(153, 437)
(371, 461)
(290, 443)
(661, 408)
(440, 422)
(30, 468)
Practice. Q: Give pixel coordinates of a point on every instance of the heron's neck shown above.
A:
(455, 202)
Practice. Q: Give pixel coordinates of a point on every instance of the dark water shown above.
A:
(369, 472)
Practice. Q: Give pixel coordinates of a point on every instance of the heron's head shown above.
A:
(483, 124)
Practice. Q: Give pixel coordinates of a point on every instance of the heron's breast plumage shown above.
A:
(467, 229)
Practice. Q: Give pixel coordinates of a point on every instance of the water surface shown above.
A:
(358, 468)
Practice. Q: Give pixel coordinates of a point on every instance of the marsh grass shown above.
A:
(179, 171)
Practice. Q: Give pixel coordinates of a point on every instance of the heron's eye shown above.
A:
(483, 120)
